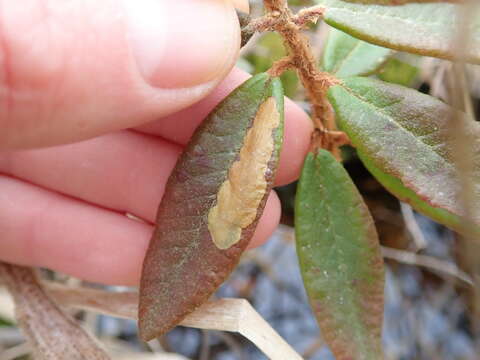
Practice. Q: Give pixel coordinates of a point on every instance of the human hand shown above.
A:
(123, 84)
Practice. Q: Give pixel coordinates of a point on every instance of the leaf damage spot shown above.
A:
(241, 193)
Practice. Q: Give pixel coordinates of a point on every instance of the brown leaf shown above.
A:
(212, 204)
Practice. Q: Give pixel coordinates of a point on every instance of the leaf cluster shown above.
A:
(422, 150)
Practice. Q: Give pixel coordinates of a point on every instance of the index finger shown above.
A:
(179, 127)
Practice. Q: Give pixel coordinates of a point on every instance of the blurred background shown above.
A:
(430, 310)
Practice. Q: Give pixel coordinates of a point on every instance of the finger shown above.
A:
(298, 127)
(124, 171)
(41, 228)
(70, 70)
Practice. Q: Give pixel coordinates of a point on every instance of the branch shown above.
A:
(308, 15)
(316, 83)
(429, 262)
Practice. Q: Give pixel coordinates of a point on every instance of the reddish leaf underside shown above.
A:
(184, 265)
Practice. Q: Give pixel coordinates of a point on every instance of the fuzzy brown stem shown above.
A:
(315, 82)
(308, 15)
(280, 66)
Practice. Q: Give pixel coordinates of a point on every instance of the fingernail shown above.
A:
(182, 43)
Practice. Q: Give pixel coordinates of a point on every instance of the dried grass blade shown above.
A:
(235, 315)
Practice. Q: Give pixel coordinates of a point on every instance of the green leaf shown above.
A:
(423, 29)
(399, 72)
(212, 203)
(345, 55)
(4, 322)
(396, 187)
(406, 135)
(340, 259)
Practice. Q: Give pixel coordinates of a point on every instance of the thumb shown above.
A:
(70, 70)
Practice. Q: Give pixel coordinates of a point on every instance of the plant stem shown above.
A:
(316, 83)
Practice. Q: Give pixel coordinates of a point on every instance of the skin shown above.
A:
(71, 166)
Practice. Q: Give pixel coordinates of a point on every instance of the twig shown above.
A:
(269, 21)
(316, 83)
(464, 147)
(437, 78)
(232, 343)
(428, 262)
(411, 258)
(308, 15)
(412, 226)
(205, 347)
(280, 66)
(264, 264)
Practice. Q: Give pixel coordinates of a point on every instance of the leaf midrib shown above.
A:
(334, 249)
(346, 57)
